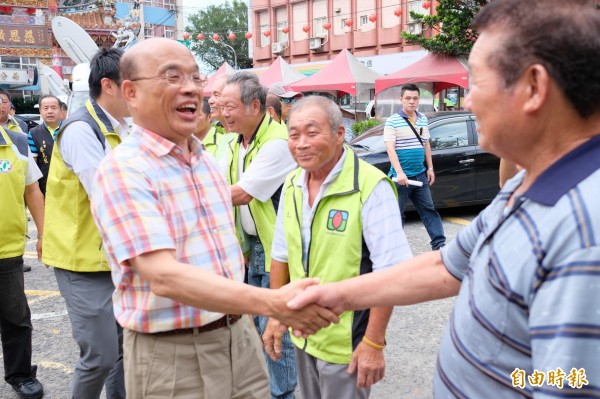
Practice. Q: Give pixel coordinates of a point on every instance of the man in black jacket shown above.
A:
(41, 138)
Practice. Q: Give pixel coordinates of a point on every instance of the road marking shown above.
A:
(460, 221)
(49, 315)
(42, 293)
(56, 366)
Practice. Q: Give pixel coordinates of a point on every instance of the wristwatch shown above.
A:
(431, 169)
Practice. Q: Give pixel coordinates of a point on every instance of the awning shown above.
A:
(443, 70)
(280, 72)
(345, 73)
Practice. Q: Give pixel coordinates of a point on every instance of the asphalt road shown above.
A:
(412, 338)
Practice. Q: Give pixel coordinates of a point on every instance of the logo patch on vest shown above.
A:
(337, 220)
(5, 166)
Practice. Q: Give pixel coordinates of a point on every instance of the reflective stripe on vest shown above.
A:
(71, 238)
(13, 175)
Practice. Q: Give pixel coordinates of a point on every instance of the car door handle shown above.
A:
(466, 161)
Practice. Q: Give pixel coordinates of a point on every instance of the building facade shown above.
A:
(316, 30)
(27, 42)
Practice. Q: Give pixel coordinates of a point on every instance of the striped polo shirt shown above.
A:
(411, 153)
(530, 292)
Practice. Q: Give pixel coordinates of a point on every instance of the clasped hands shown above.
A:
(298, 305)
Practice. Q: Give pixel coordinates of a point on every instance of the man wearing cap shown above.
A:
(261, 161)
(287, 97)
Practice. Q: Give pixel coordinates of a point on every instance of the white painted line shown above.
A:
(39, 316)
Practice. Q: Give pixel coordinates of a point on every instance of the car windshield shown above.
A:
(372, 143)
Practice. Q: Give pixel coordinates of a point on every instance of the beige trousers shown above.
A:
(224, 363)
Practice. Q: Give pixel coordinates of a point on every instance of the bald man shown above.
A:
(165, 214)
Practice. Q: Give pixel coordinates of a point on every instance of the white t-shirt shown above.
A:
(265, 174)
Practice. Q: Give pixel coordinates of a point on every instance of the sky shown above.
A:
(193, 6)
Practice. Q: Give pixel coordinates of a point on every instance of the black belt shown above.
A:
(227, 320)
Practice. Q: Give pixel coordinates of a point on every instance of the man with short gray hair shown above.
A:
(261, 160)
(338, 218)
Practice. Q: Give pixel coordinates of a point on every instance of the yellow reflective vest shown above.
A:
(71, 239)
(263, 213)
(13, 214)
(336, 252)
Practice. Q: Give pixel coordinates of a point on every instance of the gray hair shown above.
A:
(250, 89)
(332, 110)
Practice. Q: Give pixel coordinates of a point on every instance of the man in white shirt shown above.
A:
(72, 244)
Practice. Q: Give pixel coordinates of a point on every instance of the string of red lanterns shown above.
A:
(306, 28)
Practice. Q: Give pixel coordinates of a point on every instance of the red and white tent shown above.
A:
(345, 73)
(279, 72)
(443, 70)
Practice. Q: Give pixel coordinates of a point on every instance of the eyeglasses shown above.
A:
(175, 78)
(289, 100)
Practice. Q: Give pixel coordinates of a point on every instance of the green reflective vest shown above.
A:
(71, 239)
(336, 251)
(13, 214)
(263, 213)
(218, 143)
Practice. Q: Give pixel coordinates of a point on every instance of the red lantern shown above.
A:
(426, 5)
(398, 12)
(285, 30)
(30, 11)
(231, 37)
(216, 37)
(306, 28)
(248, 35)
(200, 37)
(186, 36)
(349, 22)
(326, 26)
(267, 33)
(373, 17)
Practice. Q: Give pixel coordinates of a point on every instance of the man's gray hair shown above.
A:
(332, 110)
(250, 89)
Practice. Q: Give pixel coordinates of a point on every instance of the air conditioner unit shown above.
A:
(315, 43)
(415, 28)
(277, 48)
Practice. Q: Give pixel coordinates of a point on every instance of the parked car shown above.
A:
(32, 120)
(464, 173)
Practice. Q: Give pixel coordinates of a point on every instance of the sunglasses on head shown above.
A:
(289, 100)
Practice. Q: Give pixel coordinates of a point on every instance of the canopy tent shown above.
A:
(345, 73)
(280, 71)
(443, 70)
(223, 69)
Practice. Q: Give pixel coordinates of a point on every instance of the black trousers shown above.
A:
(15, 322)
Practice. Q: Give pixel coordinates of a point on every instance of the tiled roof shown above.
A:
(89, 19)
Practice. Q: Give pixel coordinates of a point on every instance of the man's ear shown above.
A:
(128, 91)
(536, 81)
(341, 133)
(255, 107)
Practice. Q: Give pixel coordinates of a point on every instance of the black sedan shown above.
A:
(464, 173)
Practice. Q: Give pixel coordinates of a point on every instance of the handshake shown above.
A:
(305, 306)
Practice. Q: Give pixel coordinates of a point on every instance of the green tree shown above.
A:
(223, 20)
(453, 22)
